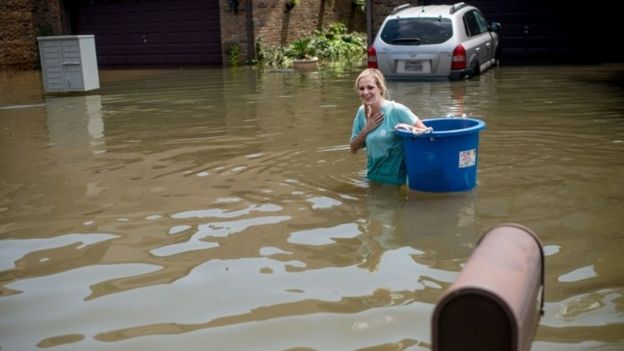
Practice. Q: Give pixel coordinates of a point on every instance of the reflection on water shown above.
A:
(221, 209)
(73, 121)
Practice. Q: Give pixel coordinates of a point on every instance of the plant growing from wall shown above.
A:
(233, 6)
(290, 4)
(45, 29)
(360, 3)
(232, 50)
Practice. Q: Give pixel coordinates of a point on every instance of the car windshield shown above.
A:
(417, 31)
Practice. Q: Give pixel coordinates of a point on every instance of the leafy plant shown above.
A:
(333, 45)
(302, 48)
(232, 50)
(290, 4)
(274, 57)
(360, 3)
(45, 29)
(233, 6)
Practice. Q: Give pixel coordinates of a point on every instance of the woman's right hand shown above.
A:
(374, 121)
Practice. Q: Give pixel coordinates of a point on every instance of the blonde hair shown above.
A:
(379, 80)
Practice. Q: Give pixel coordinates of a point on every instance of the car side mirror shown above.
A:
(495, 27)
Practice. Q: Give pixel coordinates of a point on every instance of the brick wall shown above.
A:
(382, 8)
(23, 20)
(273, 25)
(20, 24)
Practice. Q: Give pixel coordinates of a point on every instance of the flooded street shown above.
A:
(219, 209)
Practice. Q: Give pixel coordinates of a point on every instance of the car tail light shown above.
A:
(372, 57)
(459, 58)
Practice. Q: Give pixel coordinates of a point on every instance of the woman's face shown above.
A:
(369, 91)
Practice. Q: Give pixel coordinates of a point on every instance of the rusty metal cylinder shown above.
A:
(498, 298)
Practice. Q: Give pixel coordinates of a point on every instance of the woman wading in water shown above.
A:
(373, 129)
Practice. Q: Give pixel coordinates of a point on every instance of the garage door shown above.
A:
(152, 32)
(541, 31)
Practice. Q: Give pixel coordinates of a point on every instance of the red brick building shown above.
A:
(21, 21)
(196, 32)
(164, 32)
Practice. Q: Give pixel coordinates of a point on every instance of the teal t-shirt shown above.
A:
(386, 159)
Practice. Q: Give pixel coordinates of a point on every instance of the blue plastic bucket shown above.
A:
(444, 160)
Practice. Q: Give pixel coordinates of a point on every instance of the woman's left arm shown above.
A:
(412, 116)
(419, 124)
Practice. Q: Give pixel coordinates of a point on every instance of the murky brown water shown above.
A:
(221, 210)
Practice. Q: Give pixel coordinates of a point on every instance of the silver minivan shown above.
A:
(435, 42)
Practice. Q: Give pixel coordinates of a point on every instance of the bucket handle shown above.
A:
(413, 129)
(450, 115)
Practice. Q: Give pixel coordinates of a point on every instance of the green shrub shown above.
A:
(333, 45)
(274, 57)
(232, 50)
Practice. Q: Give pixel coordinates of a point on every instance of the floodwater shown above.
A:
(219, 209)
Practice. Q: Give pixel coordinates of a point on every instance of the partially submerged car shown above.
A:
(435, 42)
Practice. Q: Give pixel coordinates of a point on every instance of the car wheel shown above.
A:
(474, 71)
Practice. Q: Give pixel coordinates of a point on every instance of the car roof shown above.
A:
(427, 11)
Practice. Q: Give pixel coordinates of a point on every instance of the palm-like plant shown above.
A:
(302, 48)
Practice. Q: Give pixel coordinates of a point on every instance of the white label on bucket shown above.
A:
(467, 158)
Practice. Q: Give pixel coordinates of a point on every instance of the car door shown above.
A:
(484, 31)
(479, 45)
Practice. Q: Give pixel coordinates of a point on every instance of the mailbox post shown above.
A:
(498, 298)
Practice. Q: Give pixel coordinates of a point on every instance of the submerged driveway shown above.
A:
(221, 209)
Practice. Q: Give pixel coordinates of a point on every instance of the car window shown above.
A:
(483, 26)
(417, 31)
(475, 23)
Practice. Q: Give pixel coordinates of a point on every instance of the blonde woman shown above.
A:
(373, 129)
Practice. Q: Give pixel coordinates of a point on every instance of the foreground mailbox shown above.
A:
(498, 298)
